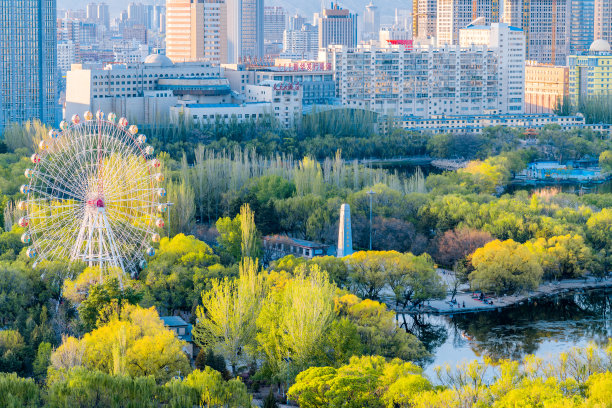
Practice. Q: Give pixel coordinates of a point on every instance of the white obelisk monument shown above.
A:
(345, 235)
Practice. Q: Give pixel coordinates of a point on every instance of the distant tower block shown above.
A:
(345, 236)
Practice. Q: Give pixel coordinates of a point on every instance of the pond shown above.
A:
(544, 327)
(572, 188)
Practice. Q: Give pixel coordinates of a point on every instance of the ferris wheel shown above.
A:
(94, 195)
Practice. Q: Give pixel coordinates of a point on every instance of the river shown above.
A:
(543, 327)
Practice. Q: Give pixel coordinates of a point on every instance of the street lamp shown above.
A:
(371, 193)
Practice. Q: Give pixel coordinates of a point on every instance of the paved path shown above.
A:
(464, 296)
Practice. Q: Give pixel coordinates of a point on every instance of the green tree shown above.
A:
(414, 279)
(227, 317)
(368, 271)
(599, 229)
(18, 392)
(182, 267)
(377, 328)
(103, 296)
(80, 387)
(215, 392)
(13, 350)
(250, 244)
(42, 361)
(229, 239)
(182, 213)
(565, 256)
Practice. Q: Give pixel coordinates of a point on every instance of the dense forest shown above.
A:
(309, 331)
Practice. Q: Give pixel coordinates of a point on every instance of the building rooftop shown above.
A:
(158, 59)
(600, 46)
(173, 321)
(295, 241)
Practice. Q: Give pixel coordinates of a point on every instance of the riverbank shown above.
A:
(467, 303)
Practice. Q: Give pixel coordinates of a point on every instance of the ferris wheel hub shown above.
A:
(95, 203)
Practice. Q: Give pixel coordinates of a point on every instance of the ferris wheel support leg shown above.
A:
(113, 249)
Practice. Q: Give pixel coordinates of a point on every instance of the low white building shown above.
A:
(135, 91)
(285, 99)
(210, 113)
(277, 99)
(462, 124)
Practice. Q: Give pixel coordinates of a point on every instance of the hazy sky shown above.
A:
(306, 8)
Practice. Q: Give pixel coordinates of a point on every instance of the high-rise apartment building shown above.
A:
(581, 29)
(196, 30)
(423, 82)
(428, 81)
(603, 20)
(545, 24)
(275, 22)
(453, 15)
(424, 18)
(138, 14)
(245, 30)
(28, 66)
(337, 26)
(508, 43)
(371, 22)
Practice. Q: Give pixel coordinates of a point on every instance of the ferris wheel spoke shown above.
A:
(128, 237)
(53, 197)
(57, 238)
(50, 226)
(119, 215)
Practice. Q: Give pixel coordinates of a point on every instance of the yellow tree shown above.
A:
(505, 267)
(136, 343)
(293, 320)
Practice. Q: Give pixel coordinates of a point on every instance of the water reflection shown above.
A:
(544, 327)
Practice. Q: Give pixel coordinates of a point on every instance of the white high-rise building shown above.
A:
(137, 14)
(403, 18)
(245, 30)
(508, 43)
(430, 81)
(371, 22)
(302, 43)
(453, 15)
